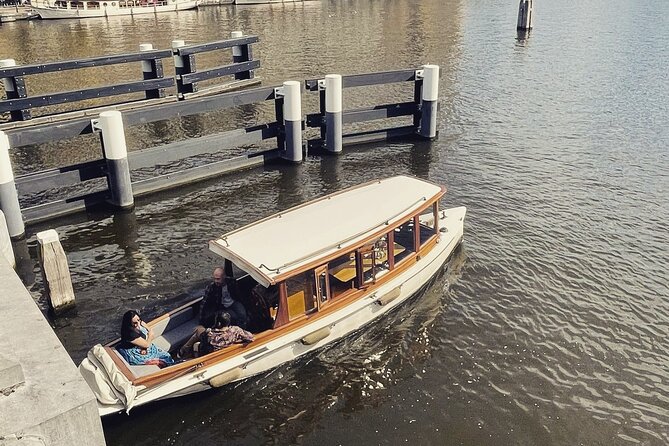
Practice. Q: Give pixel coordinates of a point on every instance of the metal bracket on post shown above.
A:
(95, 124)
(279, 92)
(420, 75)
(321, 84)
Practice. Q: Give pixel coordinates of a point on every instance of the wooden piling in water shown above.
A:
(292, 119)
(333, 113)
(152, 69)
(429, 102)
(525, 15)
(116, 154)
(55, 271)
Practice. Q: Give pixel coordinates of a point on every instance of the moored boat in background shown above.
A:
(260, 2)
(79, 9)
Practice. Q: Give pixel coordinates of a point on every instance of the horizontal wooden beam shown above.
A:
(188, 176)
(197, 106)
(362, 80)
(60, 208)
(379, 112)
(197, 146)
(83, 63)
(378, 135)
(219, 45)
(48, 132)
(60, 177)
(80, 95)
(225, 70)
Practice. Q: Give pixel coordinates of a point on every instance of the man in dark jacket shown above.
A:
(217, 298)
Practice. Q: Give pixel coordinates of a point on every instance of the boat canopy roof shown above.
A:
(285, 242)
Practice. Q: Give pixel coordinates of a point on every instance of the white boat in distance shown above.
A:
(333, 265)
(79, 9)
(262, 2)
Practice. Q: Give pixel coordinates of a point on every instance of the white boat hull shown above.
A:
(111, 9)
(336, 325)
(261, 2)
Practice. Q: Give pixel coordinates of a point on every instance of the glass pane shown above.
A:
(301, 296)
(343, 274)
(375, 259)
(404, 241)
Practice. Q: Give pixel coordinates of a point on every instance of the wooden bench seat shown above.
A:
(174, 330)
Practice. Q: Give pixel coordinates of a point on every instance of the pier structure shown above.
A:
(117, 163)
(43, 398)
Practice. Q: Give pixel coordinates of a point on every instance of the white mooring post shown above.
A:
(6, 250)
(429, 102)
(178, 60)
(147, 69)
(7, 82)
(333, 113)
(292, 118)
(55, 271)
(237, 53)
(116, 154)
(180, 68)
(525, 15)
(9, 199)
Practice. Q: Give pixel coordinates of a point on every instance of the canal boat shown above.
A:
(307, 276)
(261, 2)
(79, 9)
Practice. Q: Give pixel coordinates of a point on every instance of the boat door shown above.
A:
(322, 286)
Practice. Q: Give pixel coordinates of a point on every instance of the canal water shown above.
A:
(548, 326)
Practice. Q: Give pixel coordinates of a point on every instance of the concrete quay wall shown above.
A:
(43, 398)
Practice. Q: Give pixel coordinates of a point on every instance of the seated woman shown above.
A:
(136, 343)
(222, 335)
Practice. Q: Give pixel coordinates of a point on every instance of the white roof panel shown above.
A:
(300, 235)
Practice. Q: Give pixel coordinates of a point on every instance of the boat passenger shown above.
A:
(222, 335)
(136, 345)
(216, 298)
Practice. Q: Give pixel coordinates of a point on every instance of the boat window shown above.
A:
(405, 243)
(301, 295)
(428, 228)
(343, 274)
(374, 258)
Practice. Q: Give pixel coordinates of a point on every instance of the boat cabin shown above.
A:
(330, 251)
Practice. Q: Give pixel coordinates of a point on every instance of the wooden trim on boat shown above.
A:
(290, 326)
(123, 368)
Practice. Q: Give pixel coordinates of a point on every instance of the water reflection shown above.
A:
(139, 267)
(522, 35)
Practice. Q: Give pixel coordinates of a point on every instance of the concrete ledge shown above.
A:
(54, 405)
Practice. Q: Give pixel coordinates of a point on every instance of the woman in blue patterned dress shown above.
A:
(136, 343)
